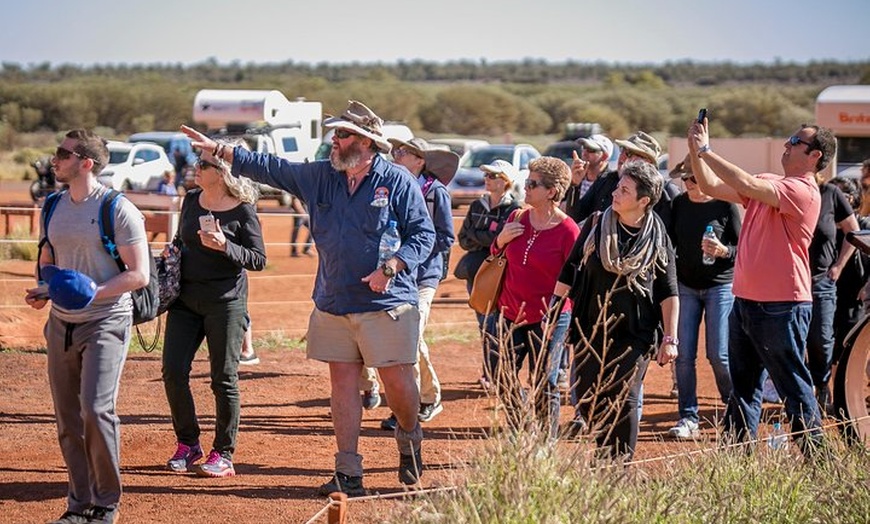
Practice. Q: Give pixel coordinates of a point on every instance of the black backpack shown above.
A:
(146, 299)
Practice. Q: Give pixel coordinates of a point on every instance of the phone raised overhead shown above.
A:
(702, 114)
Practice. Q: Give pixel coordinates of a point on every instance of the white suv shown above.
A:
(138, 166)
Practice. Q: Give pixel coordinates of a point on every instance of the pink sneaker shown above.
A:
(216, 466)
(184, 457)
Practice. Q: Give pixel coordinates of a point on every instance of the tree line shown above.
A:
(531, 97)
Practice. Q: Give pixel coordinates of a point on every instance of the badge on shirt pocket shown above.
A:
(381, 198)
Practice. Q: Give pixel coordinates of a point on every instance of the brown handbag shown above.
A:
(488, 281)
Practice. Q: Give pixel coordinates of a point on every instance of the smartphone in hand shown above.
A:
(702, 114)
(207, 223)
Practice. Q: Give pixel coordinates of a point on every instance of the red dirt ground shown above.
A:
(286, 446)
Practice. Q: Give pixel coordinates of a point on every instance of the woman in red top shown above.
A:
(536, 241)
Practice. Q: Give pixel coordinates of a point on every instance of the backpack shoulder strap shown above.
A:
(107, 226)
(48, 207)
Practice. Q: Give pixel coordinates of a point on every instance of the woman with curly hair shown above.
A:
(221, 239)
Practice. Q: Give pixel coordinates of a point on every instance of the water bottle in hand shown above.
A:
(707, 259)
(390, 243)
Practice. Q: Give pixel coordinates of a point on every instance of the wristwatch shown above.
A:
(388, 271)
(671, 340)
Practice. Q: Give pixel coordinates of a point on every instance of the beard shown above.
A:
(349, 158)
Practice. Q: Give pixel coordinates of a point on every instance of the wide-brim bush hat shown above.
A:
(440, 161)
(683, 170)
(643, 145)
(361, 120)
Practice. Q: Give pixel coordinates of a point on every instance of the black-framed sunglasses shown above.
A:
(62, 153)
(205, 164)
(691, 179)
(343, 133)
(795, 140)
(532, 184)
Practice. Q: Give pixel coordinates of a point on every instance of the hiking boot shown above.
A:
(390, 423)
(429, 411)
(350, 486)
(101, 515)
(410, 468)
(216, 466)
(184, 457)
(249, 360)
(371, 399)
(71, 517)
(684, 429)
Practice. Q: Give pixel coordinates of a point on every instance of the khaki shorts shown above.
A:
(377, 339)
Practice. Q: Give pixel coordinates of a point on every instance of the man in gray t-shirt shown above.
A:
(87, 345)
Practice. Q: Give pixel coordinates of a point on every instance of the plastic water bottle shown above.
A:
(778, 439)
(708, 260)
(390, 243)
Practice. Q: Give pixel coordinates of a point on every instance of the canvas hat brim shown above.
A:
(442, 164)
(625, 144)
(683, 170)
(336, 122)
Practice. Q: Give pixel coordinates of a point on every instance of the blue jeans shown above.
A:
(715, 304)
(820, 340)
(771, 335)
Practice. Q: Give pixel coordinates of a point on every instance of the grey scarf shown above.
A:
(648, 251)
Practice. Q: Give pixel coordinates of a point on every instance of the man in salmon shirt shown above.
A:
(772, 285)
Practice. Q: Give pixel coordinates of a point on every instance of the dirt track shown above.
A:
(286, 444)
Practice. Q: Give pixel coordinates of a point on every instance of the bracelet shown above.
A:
(671, 340)
(704, 149)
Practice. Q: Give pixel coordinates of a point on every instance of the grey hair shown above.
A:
(647, 178)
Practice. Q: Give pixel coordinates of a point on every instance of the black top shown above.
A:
(211, 275)
(591, 282)
(688, 222)
(479, 229)
(600, 196)
(824, 249)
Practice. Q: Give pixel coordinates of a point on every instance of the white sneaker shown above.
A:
(685, 428)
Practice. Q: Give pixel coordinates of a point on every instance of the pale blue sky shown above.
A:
(337, 31)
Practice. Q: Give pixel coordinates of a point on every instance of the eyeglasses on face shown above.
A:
(691, 179)
(62, 153)
(343, 133)
(204, 164)
(532, 184)
(795, 140)
(493, 176)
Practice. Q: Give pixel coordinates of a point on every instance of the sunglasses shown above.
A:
(795, 140)
(532, 184)
(203, 164)
(343, 133)
(62, 153)
(492, 176)
(691, 179)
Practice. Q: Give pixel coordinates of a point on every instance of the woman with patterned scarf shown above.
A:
(621, 276)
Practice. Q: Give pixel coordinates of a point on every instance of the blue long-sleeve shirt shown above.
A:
(438, 204)
(347, 228)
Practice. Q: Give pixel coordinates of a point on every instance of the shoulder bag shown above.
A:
(488, 281)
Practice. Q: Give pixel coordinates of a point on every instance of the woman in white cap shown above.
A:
(484, 221)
